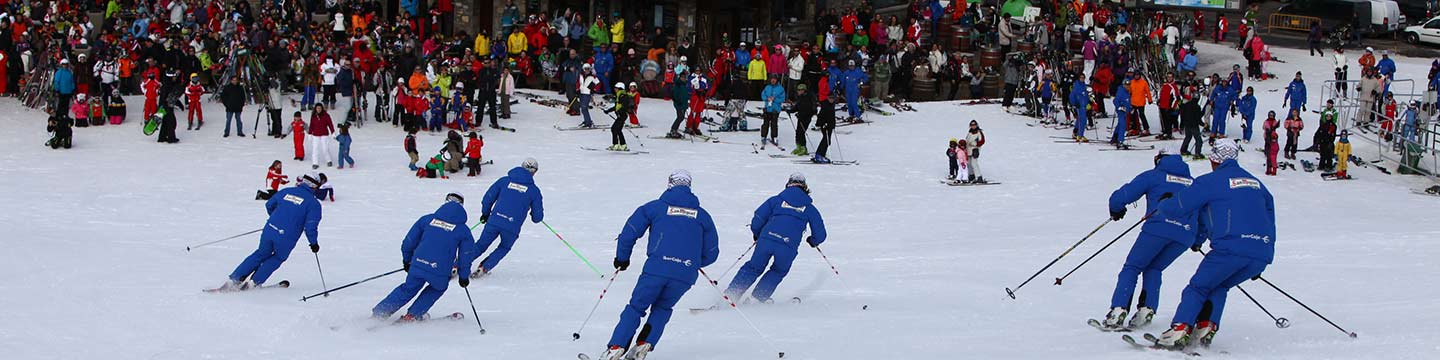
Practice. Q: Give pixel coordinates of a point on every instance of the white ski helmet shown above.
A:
(620, 85)
(531, 165)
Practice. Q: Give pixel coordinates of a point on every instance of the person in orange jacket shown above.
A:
(297, 128)
(1139, 97)
(472, 153)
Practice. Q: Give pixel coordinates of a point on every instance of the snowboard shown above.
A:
(282, 284)
(151, 125)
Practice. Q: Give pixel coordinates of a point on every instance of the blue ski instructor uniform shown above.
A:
(435, 244)
(292, 211)
(508, 200)
(777, 227)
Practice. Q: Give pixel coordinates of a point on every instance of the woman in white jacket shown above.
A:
(797, 69)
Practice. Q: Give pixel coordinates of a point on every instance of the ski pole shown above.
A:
(837, 275)
(1010, 292)
(1107, 246)
(188, 248)
(322, 274)
(1279, 322)
(637, 137)
(572, 249)
(576, 335)
(737, 261)
(742, 313)
(327, 292)
(473, 311)
(1307, 307)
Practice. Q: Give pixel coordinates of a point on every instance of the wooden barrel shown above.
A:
(865, 90)
(922, 72)
(1025, 47)
(962, 39)
(993, 85)
(991, 57)
(1077, 38)
(923, 90)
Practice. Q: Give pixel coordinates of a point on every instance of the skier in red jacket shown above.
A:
(194, 114)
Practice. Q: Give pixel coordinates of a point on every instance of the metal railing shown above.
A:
(1290, 22)
(1362, 120)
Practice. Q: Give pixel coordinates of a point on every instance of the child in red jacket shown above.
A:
(297, 128)
(80, 110)
(194, 114)
(273, 179)
(472, 153)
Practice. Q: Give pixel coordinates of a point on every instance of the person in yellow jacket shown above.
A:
(1139, 97)
(1342, 152)
(517, 43)
(482, 45)
(756, 74)
(617, 30)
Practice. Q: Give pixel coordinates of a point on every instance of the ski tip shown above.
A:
(582, 356)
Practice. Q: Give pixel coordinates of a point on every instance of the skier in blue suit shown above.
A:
(689, 243)
(604, 62)
(1161, 240)
(1221, 105)
(1246, 104)
(1122, 109)
(1080, 102)
(1295, 94)
(1241, 216)
(292, 211)
(777, 227)
(853, 77)
(509, 198)
(436, 244)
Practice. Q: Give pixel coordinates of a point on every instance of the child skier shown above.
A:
(152, 95)
(60, 126)
(472, 153)
(1342, 152)
(80, 111)
(635, 108)
(326, 190)
(510, 198)
(194, 114)
(97, 112)
(690, 243)
(1272, 143)
(954, 154)
(297, 128)
(436, 243)
(410, 148)
(777, 226)
(116, 108)
(623, 103)
(437, 109)
(274, 177)
(1293, 125)
(344, 140)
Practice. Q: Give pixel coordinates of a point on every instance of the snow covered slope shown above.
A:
(94, 264)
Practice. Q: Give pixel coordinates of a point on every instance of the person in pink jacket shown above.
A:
(775, 64)
(318, 135)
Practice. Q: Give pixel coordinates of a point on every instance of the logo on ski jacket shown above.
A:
(430, 264)
(1262, 238)
(518, 187)
(1236, 183)
(294, 199)
(442, 225)
(680, 211)
(786, 205)
(777, 236)
(1177, 223)
(1178, 180)
(676, 260)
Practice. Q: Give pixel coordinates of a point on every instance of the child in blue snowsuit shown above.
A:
(1220, 106)
(437, 109)
(777, 227)
(344, 140)
(1161, 240)
(458, 106)
(1080, 101)
(436, 244)
(292, 211)
(1242, 237)
(508, 199)
(1246, 104)
(690, 243)
(1122, 108)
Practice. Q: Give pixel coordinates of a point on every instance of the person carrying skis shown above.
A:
(777, 227)
(774, 97)
(1162, 239)
(194, 115)
(623, 103)
(509, 199)
(293, 211)
(1242, 241)
(1246, 104)
(1080, 101)
(435, 244)
(975, 138)
(690, 242)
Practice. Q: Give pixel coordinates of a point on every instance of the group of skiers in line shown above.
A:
(1229, 208)
(440, 246)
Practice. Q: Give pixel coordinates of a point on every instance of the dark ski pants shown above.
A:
(273, 251)
(1149, 256)
(783, 256)
(584, 105)
(802, 125)
(616, 136)
(679, 117)
(1292, 143)
(656, 294)
(770, 129)
(825, 133)
(487, 106)
(1168, 121)
(487, 236)
(1218, 273)
(1191, 133)
(429, 290)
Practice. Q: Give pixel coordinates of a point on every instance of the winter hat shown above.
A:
(311, 180)
(798, 180)
(680, 178)
(1168, 150)
(1224, 149)
(456, 197)
(531, 165)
